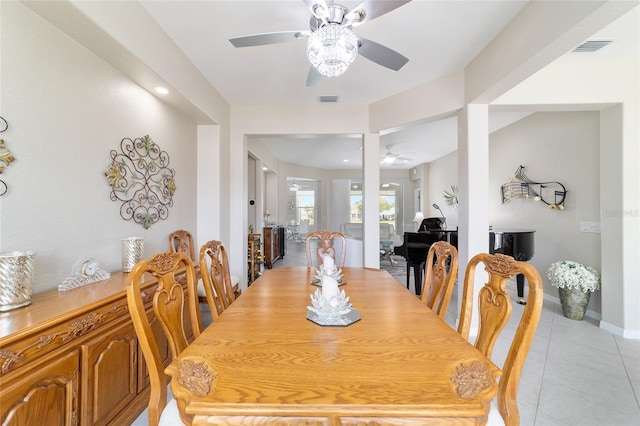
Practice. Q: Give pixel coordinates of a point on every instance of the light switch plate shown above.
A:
(590, 227)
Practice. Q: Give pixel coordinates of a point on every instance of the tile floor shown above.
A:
(576, 374)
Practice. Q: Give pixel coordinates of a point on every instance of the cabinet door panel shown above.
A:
(46, 394)
(109, 380)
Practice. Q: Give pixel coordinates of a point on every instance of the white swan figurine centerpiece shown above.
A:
(329, 304)
(328, 268)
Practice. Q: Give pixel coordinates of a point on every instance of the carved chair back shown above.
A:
(214, 267)
(172, 310)
(441, 269)
(494, 307)
(325, 246)
(181, 241)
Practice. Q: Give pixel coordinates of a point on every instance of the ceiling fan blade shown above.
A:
(314, 77)
(268, 38)
(369, 10)
(381, 55)
(316, 7)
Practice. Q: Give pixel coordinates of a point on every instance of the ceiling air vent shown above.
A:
(591, 45)
(328, 98)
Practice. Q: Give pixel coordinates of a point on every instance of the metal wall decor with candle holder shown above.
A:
(553, 194)
(140, 178)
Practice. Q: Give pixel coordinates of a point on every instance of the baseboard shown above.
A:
(618, 331)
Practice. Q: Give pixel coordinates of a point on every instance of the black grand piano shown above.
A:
(415, 247)
(517, 243)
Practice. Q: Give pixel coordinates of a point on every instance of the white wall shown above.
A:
(442, 174)
(561, 147)
(612, 88)
(547, 145)
(67, 109)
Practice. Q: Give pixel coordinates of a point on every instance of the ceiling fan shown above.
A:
(331, 44)
(391, 159)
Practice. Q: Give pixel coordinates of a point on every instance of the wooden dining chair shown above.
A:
(441, 269)
(494, 307)
(181, 241)
(173, 311)
(214, 267)
(325, 246)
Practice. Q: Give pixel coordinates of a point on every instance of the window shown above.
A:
(390, 203)
(355, 204)
(306, 206)
(388, 206)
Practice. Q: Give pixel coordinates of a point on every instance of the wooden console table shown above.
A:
(72, 358)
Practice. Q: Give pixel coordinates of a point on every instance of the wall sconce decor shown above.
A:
(451, 197)
(520, 186)
(141, 179)
(5, 155)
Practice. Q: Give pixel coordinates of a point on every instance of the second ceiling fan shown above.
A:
(331, 43)
(393, 159)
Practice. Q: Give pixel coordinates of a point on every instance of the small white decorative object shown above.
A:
(329, 287)
(336, 275)
(330, 306)
(85, 271)
(328, 266)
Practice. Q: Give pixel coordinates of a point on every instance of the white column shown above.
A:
(237, 207)
(473, 169)
(208, 178)
(371, 200)
(261, 203)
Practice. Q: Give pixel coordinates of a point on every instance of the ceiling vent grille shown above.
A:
(332, 98)
(591, 46)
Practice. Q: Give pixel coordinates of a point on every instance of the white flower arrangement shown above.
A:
(573, 275)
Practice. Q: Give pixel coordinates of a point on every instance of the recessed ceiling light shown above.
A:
(161, 90)
(265, 168)
(345, 161)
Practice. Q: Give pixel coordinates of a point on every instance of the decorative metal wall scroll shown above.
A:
(520, 186)
(141, 179)
(451, 198)
(5, 155)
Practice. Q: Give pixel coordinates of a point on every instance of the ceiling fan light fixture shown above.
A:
(332, 48)
(294, 187)
(389, 159)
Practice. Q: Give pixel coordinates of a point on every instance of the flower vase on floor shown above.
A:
(575, 284)
(574, 302)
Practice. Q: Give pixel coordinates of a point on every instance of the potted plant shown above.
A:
(575, 283)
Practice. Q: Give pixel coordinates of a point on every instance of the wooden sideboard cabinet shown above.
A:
(273, 244)
(254, 257)
(73, 358)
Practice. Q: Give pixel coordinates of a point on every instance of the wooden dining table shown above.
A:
(263, 362)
